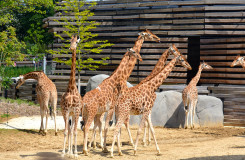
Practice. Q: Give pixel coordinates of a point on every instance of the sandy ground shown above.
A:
(201, 143)
(33, 122)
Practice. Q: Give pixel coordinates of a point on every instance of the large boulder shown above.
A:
(94, 81)
(168, 111)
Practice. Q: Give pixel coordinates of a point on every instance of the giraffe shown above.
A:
(103, 98)
(71, 104)
(190, 95)
(238, 60)
(139, 100)
(46, 93)
(157, 68)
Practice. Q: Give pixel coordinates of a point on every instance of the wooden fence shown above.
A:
(218, 23)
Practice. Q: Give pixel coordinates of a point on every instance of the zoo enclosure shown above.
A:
(210, 30)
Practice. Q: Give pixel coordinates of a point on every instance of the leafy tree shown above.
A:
(10, 49)
(71, 14)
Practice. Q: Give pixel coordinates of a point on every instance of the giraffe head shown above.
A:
(238, 60)
(74, 42)
(148, 35)
(204, 65)
(132, 52)
(20, 81)
(174, 50)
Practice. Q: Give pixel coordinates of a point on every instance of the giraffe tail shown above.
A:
(50, 111)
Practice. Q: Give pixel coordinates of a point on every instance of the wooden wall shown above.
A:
(219, 23)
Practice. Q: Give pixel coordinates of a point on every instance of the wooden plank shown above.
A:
(223, 14)
(222, 75)
(223, 27)
(220, 32)
(224, 8)
(226, 20)
(198, 32)
(189, 21)
(221, 81)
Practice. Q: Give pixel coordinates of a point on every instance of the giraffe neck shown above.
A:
(117, 75)
(72, 81)
(160, 64)
(131, 63)
(195, 79)
(156, 81)
(32, 75)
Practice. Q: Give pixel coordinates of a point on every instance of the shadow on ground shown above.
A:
(45, 156)
(233, 157)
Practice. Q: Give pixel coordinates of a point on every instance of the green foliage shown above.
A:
(8, 8)
(11, 71)
(88, 43)
(10, 50)
(18, 101)
(5, 115)
(10, 47)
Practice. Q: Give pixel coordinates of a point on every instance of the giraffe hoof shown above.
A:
(159, 154)
(120, 153)
(56, 134)
(100, 146)
(105, 150)
(111, 156)
(134, 152)
(85, 153)
(75, 156)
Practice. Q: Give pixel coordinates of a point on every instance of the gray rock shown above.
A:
(168, 111)
(94, 81)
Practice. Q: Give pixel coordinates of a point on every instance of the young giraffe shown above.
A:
(103, 98)
(190, 95)
(140, 99)
(71, 103)
(46, 93)
(238, 60)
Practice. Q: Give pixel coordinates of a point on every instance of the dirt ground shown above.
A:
(202, 143)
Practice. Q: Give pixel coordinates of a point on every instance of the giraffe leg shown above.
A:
(144, 138)
(187, 109)
(193, 112)
(66, 118)
(76, 117)
(153, 134)
(144, 117)
(149, 129)
(100, 131)
(69, 137)
(129, 133)
(42, 115)
(108, 118)
(46, 113)
(93, 134)
(86, 130)
(54, 104)
(119, 122)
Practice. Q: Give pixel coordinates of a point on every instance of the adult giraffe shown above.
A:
(140, 99)
(104, 97)
(71, 103)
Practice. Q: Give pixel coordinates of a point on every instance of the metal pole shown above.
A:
(44, 64)
(79, 87)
